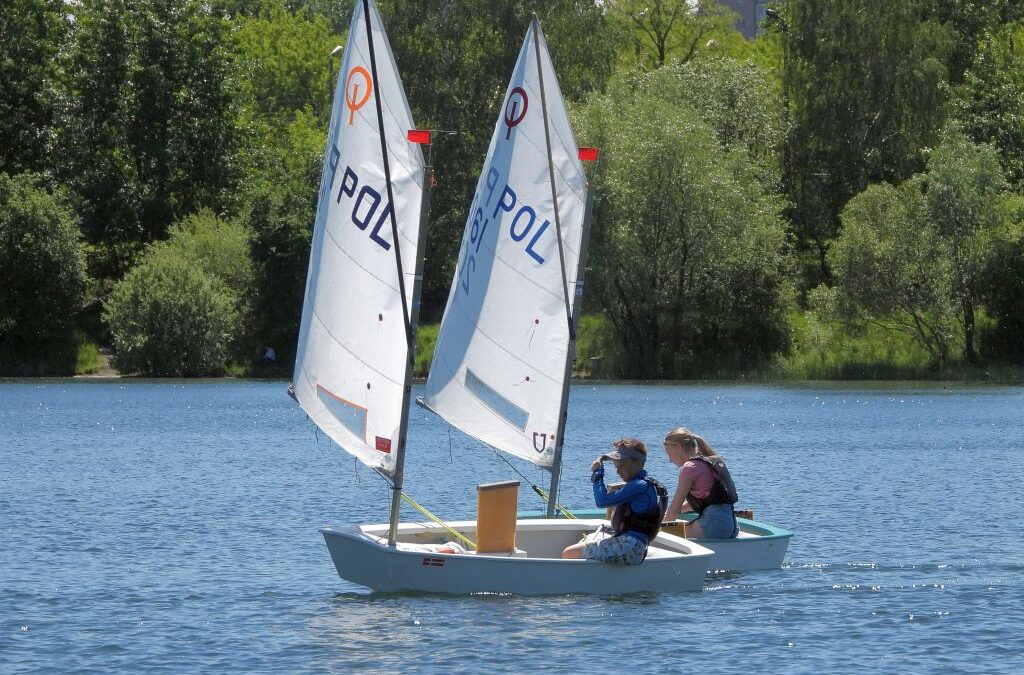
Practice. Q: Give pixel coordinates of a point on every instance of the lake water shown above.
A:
(171, 527)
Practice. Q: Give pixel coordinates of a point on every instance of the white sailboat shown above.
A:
(353, 372)
(502, 364)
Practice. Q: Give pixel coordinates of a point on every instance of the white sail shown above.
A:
(352, 350)
(499, 365)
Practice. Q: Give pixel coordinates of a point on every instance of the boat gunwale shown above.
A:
(677, 548)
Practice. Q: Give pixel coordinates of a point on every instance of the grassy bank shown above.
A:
(819, 351)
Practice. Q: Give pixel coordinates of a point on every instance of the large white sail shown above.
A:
(499, 366)
(352, 351)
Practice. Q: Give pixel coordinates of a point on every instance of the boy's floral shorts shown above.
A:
(621, 550)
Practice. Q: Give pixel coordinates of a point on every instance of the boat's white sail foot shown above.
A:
(499, 368)
(353, 356)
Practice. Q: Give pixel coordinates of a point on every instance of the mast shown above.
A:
(410, 318)
(556, 464)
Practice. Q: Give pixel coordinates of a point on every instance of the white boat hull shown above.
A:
(362, 556)
(759, 546)
(756, 548)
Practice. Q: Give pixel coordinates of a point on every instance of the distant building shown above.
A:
(752, 13)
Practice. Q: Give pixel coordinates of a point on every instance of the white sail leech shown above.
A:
(352, 350)
(498, 370)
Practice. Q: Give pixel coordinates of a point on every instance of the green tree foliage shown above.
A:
(658, 32)
(218, 247)
(739, 100)
(148, 134)
(1001, 287)
(691, 249)
(914, 258)
(864, 85)
(282, 207)
(965, 184)
(42, 278)
(30, 35)
(969, 21)
(283, 58)
(176, 313)
(990, 102)
(892, 269)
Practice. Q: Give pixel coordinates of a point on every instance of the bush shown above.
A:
(168, 317)
(42, 279)
(179, 312)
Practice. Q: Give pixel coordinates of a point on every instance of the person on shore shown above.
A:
(705, 486)
(639, 503)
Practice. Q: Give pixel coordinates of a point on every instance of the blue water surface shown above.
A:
(168, 527)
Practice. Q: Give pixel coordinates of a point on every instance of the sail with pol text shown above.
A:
(499, 371)
(358, 315)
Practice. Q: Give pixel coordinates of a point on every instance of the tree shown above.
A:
(739, 100)
(42, 278)
(1001, 286)
(284, 62)
(891, 268)
(865, 92)
(989, 102)
(660, 31)
(965, 186)
(280, 214)
(148, 126)
(30, 36)
(913, 258)
(692, 250)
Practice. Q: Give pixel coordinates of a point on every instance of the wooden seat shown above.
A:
(496, 508)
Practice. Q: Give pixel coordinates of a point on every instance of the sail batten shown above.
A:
(352, 357)
(499, 372)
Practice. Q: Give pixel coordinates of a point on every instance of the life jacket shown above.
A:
(723, 490)
(624, 519)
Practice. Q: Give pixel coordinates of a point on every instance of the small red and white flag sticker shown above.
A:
(383, 444)
(588, 154)
(421, 136)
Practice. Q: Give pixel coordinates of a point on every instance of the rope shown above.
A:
(558, 507)
(536, 488)
(458, 535)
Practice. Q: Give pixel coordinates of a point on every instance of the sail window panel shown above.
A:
(350, 415)
(500, 405)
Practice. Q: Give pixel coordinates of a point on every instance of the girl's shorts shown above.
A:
(718, 522)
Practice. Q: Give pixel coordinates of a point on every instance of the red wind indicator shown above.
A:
(421, 136)
(588, 154)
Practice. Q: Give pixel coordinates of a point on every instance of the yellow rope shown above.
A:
(458, 535)
(544, 495)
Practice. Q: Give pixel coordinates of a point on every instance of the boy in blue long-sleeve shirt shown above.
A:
(639, 506)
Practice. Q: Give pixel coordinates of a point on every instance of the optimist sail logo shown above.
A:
(358, 81)
(513, 114)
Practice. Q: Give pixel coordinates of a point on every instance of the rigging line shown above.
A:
(426, 512)
(387, 181)
(536, 488)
